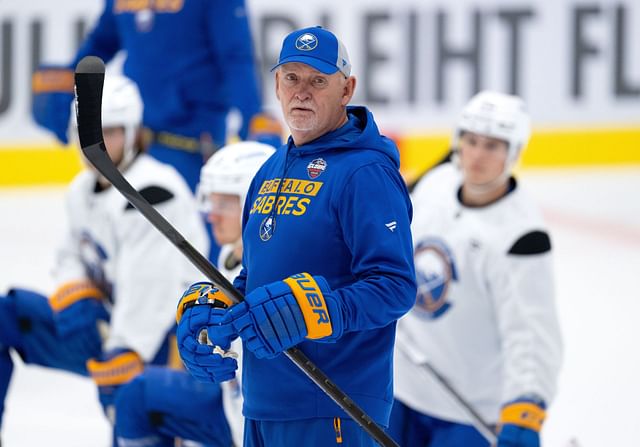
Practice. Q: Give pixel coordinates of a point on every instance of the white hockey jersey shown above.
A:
(485, 313)
(112, 244)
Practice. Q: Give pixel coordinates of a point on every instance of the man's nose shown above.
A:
(476, 149)
(303, 92)
(302, 95)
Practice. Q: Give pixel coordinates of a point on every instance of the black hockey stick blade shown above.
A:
(89, 78)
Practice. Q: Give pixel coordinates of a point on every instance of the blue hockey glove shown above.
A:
(206, 359)
(520, 423)
(266, 129)
(52, 95)
(280, 315)
(77, 305)
(112, 370)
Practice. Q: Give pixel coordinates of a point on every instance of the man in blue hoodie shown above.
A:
(330, 203)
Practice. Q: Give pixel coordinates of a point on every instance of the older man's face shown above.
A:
(312, 102)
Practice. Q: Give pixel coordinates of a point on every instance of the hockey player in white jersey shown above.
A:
(224, 182)
(114, 310)
(485, 315)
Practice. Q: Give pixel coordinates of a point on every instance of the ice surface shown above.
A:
(594, 217)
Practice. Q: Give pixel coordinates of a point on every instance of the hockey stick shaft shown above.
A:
(89, 78)
(476, 420)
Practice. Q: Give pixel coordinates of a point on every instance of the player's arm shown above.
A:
(150, 272)
(68, 263)
(531, 341)
(240, 281)
(375, 216)
(77, 302)
(230, 37)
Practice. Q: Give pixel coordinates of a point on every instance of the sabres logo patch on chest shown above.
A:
(316, 167)
(267, 227)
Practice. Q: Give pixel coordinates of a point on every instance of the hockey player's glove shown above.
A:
(520, 423)
(52, 95)
(280, 315)
(207, 360)
(112, 370)
(77, 305)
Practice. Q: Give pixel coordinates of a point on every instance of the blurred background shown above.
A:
(575, 63)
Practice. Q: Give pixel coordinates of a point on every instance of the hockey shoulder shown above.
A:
(534, 242)
(154, 194)
(526, 231)
(158, 183)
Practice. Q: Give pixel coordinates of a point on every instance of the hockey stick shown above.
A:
(89, 78)
(476, 420)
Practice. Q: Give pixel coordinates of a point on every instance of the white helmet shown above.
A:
(122, 107)
(500, 116)
(231, 169)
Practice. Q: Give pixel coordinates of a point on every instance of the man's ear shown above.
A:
(349, 90)
(277, 84)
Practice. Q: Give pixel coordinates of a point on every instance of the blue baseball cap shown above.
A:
(316, 47)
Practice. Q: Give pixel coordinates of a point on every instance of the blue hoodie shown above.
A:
(344, 213)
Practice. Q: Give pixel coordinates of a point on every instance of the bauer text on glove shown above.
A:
(282, 314)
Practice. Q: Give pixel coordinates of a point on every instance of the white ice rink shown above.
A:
(594, 216)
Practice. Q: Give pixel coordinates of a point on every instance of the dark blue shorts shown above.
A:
(321, 432)
(412, 428)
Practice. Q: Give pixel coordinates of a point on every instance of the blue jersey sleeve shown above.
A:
(375, 217)
(103, 40)
(240, 281)
(230, 38)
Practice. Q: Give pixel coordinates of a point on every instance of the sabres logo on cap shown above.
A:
(267, 227)
(306, 42)
(316, 167)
